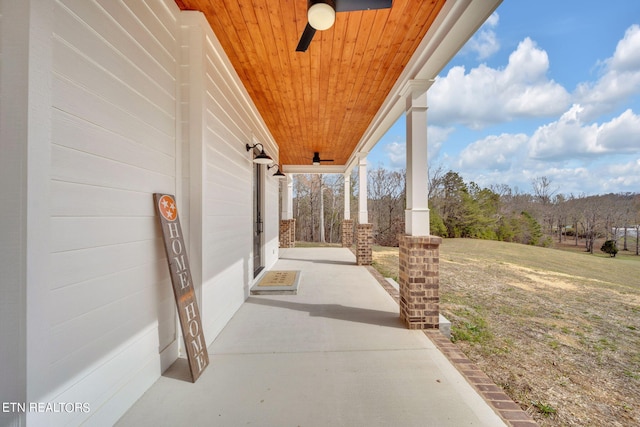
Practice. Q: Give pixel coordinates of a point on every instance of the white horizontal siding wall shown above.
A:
(96, 126)
(223, 119)
(111, 313)
(13, 190)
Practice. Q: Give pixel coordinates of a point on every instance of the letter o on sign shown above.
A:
(193, 328)
(176, 246)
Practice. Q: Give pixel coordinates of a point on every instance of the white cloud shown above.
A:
(570, 137)
(493, 153)
(620, 78)
(492, 21)
(569, 180)
(396, 151)
(397, 154)
(623, 176)
(579, 150)
(620, 135)
(436, 136)
(485, 42)
(485, 95)
(627, 54)
(579, 157)
(592, 179)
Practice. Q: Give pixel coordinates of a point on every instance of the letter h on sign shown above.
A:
(183, 291)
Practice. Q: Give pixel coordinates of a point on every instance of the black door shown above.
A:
(257, 220)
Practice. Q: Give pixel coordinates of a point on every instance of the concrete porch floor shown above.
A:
(336, 354)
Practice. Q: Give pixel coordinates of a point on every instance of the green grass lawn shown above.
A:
(558, 330)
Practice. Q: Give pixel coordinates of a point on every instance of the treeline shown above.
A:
(464, 209)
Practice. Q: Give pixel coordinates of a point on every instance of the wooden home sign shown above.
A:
(183, 290)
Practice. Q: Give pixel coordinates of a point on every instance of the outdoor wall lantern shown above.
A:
(278, 173)
(262, 157)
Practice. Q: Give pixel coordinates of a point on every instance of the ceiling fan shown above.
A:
(317, 159)
(321, 14)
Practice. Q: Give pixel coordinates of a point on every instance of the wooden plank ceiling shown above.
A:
(322, 99)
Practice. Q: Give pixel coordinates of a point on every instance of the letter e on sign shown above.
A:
(183, 291)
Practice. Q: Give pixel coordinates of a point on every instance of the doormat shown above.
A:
(278, 282)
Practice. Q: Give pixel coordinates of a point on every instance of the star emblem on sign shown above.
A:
(167, 208)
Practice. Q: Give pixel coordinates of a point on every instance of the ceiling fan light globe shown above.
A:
(316, 159)
(321, 16)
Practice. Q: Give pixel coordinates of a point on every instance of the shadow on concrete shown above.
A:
(333, 261)
(336, 311)
(179, 370)
(320, 261)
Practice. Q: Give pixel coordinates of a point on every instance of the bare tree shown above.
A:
(542, 189)
(435, 180)
(573, 214)
(306, 204)
(628, 208)
(321, 196)
(543, 192)
(560, 209)
(635, 215)
(592, 219)
(332, 212)
(387, 200)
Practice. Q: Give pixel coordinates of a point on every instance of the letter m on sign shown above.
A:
(186, 302)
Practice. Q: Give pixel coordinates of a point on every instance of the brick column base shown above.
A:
(347, 233)
(364, 244)
(419, 281)
(287, 233)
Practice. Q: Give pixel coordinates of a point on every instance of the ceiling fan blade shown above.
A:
(305, 39)
(353, 5)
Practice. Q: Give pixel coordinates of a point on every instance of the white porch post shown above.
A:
(287, 223)
(364, 240)
(417, 211)
(26, 97)
(347, 196)
(363, 215)
(347, 222)
(289, 196)
(286, 207)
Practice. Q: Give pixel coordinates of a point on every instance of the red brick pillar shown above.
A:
(287, 233)
(419, 281)
(364, 244)
(347, 233)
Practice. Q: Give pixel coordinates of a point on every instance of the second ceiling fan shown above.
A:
(321, 14)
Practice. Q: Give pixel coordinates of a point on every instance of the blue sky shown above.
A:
(545, 88)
